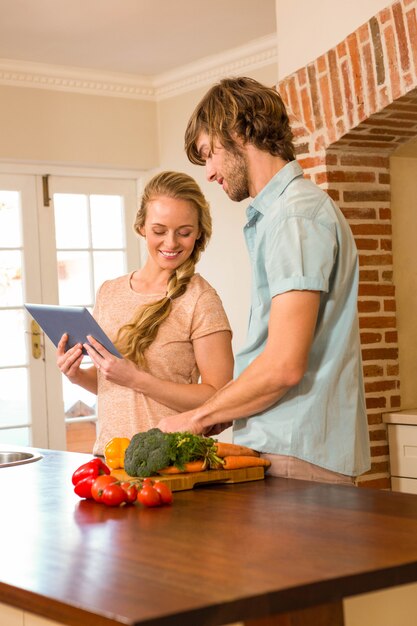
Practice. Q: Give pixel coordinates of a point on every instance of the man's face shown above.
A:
(230, 169)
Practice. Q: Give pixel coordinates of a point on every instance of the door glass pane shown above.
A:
(107, 221)
(85, 262)
(14, 397)
(12, 338)
(74, 278)
(71, 221)
(16, 436)
(11, 290)
(108, 265)
(10, 227)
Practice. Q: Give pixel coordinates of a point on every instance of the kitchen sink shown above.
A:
(13, 456)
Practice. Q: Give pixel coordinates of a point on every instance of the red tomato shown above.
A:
(164, 491)
(148, 496)
(99, 484)
(113, 495)
(131, 492)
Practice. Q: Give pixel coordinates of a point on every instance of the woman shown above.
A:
(167, 321)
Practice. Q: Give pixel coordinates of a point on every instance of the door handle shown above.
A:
(35, 334)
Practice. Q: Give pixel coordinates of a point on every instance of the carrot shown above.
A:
(239, 462)
(192, 466)
(232, 449)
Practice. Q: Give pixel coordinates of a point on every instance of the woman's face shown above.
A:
(171, 230)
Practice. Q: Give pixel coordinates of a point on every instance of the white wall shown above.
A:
(306, 29)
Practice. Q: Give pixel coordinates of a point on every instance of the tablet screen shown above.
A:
(77, 321)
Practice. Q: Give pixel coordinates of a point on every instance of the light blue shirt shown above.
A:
(298, 239)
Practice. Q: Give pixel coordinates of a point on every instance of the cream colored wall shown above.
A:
(404, 232)
(225, 263)
(77, 129)
(306, 29)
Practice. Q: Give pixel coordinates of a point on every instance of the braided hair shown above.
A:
(135, 337)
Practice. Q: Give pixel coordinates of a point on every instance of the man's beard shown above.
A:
(236, 175)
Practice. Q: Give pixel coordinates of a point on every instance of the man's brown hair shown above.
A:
(244, 108)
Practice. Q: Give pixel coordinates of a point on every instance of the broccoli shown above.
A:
(150, 451)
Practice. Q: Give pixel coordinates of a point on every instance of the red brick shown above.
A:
(372, 371)
(401, 35)
(393, 370)
(302, 76)
(386, 244)
(370, 338)
(392, 62)
(378, 435)
(334, 194)
(347, 91)
(375, 259)
(387, 276)
(335, 83)
(370, 78)
(366, 195)
(352, 43)
(321, 64)
(376, 403)
(315, 99)
(369, 306)
(384, 214)
(365, 160)
(307, 110)
(412, 29)
(391, 337)
(384, 178)
(376, 290)
(377, 322)
(366, 244)
(368, 276)
(293, 96)
(395, 402)
(379, 354)
(363, 33)
(385, 15)
(389, 306)
(381, 385)
(359, 214)
(341, 49)
(326, 101)
(374, 418)
(377, 451)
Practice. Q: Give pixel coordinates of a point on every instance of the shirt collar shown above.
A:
(272, 190)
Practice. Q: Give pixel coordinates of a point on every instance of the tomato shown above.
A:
(164, 491)
(83, 487)
(113, 495)
(131, 492)
(148, 496)
(99, 484)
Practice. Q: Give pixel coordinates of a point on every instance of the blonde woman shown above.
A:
(166, 320)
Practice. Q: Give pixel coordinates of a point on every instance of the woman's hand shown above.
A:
(116, 370)
(69, 361)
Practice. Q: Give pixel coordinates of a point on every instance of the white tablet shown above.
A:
(77, 321)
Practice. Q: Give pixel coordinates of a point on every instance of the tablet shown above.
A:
(77, 321)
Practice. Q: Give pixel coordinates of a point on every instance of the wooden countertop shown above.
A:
(220, 554)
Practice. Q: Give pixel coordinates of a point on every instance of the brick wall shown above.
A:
(350, 109)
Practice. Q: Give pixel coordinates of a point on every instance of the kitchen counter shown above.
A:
(220, 554)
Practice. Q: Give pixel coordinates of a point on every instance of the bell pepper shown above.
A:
(93, 468)
(114, 452)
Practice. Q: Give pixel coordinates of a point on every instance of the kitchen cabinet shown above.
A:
(402, 440)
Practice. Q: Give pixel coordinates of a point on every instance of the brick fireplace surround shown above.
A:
(350, 109)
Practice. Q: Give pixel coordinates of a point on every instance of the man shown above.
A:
(298, 392)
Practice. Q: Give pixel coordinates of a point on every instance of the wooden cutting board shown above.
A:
(181, 482)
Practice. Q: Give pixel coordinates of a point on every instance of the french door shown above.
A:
(60, 238)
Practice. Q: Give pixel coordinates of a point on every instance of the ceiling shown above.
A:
(140, 37)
